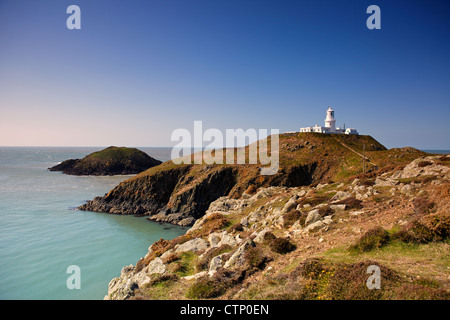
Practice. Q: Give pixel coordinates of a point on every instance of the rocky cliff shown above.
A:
(302, 242)
(180, 194)
(109, 161)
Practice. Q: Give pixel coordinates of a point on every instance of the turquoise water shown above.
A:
(41, 235)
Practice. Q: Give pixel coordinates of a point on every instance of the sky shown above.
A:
(138, 70)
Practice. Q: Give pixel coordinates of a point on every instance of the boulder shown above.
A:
(380, 182)
(340, 195)
(217, 262)
(122, 287)
(260, 236)
(196, 276)
(315, 226)
(338, 207)
(194, 245)
(407, 189)
(291, 204)
(312, 217)
(156, 266)
(237, 259)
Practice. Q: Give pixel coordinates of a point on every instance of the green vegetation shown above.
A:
(372, 239)
(116, 153)
(203, 263)
(211, 287)
(185, 265)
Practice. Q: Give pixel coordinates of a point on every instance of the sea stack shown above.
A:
(109, 161)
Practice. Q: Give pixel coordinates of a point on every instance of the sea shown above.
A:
(49, 250)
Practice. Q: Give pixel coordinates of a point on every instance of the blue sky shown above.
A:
(137, 70)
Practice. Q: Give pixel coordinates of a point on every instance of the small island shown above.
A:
(109, 161)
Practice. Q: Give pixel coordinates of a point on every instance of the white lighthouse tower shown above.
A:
(330, 126)
(330, 121)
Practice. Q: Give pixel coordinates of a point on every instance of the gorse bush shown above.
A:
(256, 257)
(373, 239)
(205, 288)
(281, 245)
(341, 281)
(424, 163)
(291, 217)
(163, 279)
(237, 227)
(212, 287)
(422, 205)
(430, 228)
(351, 203)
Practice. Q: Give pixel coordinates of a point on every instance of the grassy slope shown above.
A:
(423, 268)
(306, 148)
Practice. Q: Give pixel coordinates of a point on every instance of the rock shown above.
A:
(225, 205)
(426, 166)
(244, 222)
(327, 220)
(237, 259)
(194, 245)
(407, 189)
(340, 195)
(156, 266)
(291, 204)
(109, 161)
(296, 226)
(321, 186)
(338, 207)
(256, 216)
(262, 193)
(260, 236)
(312, 217)
(301, 193)
(122, 287)
(166, 254)
(217, 262)
(196, 276)
(217, 239)
(379, 182)
(187, 221)
(214, 239)
(314, 226)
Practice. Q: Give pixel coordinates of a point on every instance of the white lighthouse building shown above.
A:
(330, 126)
(330, 122)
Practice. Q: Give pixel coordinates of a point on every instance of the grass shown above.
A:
(420, 179)
(424, 260)
(185, 265)
(203, 263)
(212, 287)
(372, 239)
(115, 153)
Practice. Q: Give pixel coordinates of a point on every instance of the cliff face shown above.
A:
(180, 194)
(110, 161)
(309, 242)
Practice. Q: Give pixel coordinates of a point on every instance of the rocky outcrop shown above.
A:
(181, 194)
(273, 222)
(110, 161)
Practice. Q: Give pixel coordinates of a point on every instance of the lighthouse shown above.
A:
(330, 121)
(330, 126)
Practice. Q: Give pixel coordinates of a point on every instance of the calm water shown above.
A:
(41, 235)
